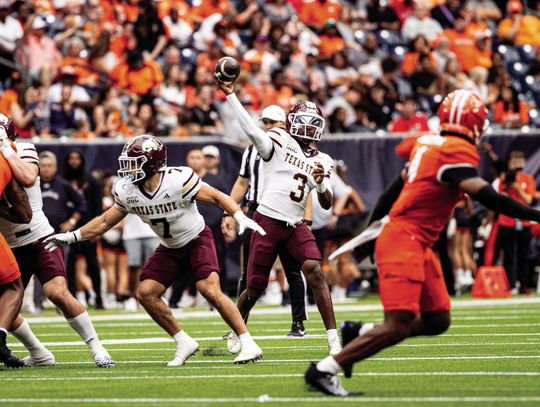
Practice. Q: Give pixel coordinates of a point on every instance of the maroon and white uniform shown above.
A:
(171, 212)
(25, 239)
(288, 180)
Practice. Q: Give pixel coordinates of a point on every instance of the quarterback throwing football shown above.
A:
(292, 169)
(165, 198)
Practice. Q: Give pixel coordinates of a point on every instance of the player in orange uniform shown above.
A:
(412, 289)
(11, 287)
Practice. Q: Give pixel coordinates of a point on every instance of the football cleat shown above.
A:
(249, 354)
(233, 342)
(42, 358)
(334, 347)
(325, 382)
(102, 358)
(297, 330)
(10, 360)
(187, 350)
(349, 331)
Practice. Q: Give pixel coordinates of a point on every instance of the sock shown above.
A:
(25, 335)
(332, 335)
(366, 328)
(181, 337)
(3, 336)
(4, 330)
(246, 339)
(84, 327)
(329, 365)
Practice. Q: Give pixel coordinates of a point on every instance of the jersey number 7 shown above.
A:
(166, 227)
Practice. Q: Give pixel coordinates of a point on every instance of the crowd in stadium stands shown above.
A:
(104, 68)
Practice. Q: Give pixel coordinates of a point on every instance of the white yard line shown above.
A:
(286, 311)
(405, 345)
(268, 337)
(288, 361)
(269, 399)
(263, 376)
(317, 331)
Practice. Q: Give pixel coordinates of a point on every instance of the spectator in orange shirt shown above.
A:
(464, 44)
(420, 46)
(316, 13)
(205, 8)
(11, 94)
(182, 9)
(517, 28)
(509, 111)
(331, 41)
(140, 77)
(410, 119)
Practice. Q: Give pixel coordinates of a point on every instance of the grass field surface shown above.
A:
(490, 356)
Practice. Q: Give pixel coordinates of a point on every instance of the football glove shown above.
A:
(62, 239)
(246, 223)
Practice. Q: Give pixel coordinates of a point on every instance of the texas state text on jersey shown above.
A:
(288, 178)
(170, 210)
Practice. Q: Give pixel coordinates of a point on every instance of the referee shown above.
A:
(249, 186)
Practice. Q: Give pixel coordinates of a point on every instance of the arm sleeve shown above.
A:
(455, 174)
(505, 205)
(191, 186)
(386, 200)
(258, 137)
(28, 154)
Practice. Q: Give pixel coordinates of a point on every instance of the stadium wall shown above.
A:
(370, 160)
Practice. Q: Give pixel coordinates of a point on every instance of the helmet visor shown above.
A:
(131, 168)
(306, 125)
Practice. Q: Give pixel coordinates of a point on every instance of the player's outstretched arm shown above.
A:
(482, 192)
(19, 211)
(24, 172)
(213, 196)
(238, 191)
(258, 137)
(96, 227)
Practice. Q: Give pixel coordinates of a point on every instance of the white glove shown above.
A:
(62, 239)
(5, 145)
(245, 223)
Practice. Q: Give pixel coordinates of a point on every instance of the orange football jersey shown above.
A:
(426, 202)
(5, 174)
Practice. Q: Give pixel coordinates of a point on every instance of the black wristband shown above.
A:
(308, 222)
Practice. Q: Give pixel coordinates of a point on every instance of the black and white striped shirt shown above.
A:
(252, 169)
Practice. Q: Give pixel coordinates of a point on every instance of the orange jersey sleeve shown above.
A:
(405, 148)
(5, 174)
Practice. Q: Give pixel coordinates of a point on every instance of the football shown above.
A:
(227, 69)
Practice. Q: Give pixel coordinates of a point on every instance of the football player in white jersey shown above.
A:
(26, 242)
(165, 199)
(292, 169)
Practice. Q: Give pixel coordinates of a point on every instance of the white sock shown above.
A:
(329, 365)
(25, 335)
(332, 335)
(81, 297)
(181, 338)
(84, 327)
(246, 339)
(366, 328)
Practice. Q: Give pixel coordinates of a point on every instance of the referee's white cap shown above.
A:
(273, 112)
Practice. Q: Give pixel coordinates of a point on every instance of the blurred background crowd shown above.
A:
(109, 68)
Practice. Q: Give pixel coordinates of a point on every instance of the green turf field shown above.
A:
(490, 356)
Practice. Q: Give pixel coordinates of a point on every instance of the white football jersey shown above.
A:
(171, 210)
(287, 178)
(21, 234)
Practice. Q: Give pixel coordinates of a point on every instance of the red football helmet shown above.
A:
(305, 120)
(462, 112)
(8, 126)
(142, 157)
